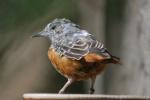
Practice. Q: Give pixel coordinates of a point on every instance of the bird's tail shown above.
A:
(113, 59)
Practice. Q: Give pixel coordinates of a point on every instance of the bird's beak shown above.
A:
(40, 34)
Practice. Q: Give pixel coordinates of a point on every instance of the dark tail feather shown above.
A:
(113, 59)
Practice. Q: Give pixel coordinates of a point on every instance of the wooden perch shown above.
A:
(82, 97)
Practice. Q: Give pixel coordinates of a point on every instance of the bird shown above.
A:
(75, 53)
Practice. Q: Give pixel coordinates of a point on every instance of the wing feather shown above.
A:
(78, 45)
(77, 50)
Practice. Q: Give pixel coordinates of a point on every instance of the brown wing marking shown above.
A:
(92, 57)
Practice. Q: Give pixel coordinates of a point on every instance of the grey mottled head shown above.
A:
(54, 28)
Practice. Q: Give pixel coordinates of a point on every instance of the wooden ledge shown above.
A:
(33, 96)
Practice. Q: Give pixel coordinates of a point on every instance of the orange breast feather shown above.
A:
(63, 64)
(87, 67)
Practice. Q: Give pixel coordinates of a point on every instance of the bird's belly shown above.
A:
(76, 69)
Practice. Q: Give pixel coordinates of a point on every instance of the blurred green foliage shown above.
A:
(18, 20)
(17, 12)
(21, 14)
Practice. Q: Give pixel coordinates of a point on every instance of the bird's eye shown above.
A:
(53, 27)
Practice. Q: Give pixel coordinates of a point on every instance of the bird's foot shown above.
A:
(61, 92)
(91, 91)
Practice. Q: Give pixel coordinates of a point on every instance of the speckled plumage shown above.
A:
(71, 41)
(74, 52)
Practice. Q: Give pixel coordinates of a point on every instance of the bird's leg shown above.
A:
(92, 90)
(68, 83)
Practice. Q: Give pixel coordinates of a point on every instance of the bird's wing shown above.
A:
(75, 49)
(79, 45)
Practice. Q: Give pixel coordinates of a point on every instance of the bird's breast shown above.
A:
(87, 67)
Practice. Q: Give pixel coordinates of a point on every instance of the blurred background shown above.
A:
(122, 25)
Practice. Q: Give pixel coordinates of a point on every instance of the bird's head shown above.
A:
(54, 28)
